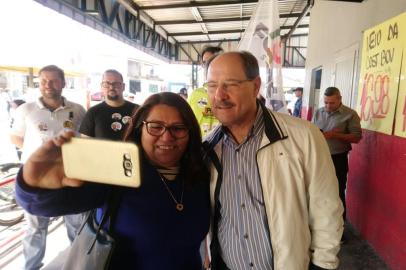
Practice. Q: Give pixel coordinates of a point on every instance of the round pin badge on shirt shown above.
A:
(68, 124)
(116, 126)
(42, 126)
(116, 116)
(126, 119)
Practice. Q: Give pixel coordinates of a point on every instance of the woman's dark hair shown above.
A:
(191, 165)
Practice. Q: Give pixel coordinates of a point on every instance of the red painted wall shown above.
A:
(376, 195)
(307, 113)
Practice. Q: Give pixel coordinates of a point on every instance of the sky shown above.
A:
(33, 35)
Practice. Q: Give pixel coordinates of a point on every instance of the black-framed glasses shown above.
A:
(228, 86)
(177, 131)
(106, 84)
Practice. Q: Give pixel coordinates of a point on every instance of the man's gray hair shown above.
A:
(248, 60)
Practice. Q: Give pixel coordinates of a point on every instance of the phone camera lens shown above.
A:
(127, 164)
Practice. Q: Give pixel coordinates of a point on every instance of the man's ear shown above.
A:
(257, 84)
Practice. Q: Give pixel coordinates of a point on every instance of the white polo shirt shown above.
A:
(37, 124)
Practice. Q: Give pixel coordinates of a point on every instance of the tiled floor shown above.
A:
(357, 254)
(57, 241)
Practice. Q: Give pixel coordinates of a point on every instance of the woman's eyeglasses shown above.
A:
(177, 131)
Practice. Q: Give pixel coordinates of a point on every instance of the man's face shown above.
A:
(231, 94)
(205, 57)
(51, 84)
(298, 93)
(332, 103)
(112, 87)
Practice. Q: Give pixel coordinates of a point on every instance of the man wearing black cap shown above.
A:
(297, 111)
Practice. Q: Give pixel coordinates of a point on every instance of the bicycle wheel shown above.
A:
(10, 212)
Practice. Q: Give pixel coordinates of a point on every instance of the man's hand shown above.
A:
(17, 141)
(331, 134)
(338, 135)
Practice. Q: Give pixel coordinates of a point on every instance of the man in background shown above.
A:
(109, 118)
(341, 127)
(297, 110)
(183, 93)
(199, 101)
(34, 123)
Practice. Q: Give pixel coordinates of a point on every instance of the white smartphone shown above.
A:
(102, 161)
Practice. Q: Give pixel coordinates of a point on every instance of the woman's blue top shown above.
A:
(150, 233)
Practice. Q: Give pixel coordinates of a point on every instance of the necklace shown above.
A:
(179, 205)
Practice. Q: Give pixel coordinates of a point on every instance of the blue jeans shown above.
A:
(34, 242)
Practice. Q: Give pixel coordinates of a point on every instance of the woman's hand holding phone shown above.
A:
(44, 168)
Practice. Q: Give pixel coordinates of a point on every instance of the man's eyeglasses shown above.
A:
(177, 131)
(228, 86)
(107, 84)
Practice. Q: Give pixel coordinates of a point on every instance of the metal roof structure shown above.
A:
(194, 24)
(176, 30)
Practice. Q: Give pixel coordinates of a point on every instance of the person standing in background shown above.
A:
(297, 111)
(183, 93)
(13, 105)
(108, 119)
(341, 127)
(199, 100)
(35, 123)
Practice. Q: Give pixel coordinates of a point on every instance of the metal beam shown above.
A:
(209, 32)
(198, 4)
(284, 37)
(227, 31)
(354, 1)
(113, 13)
(210, 41)
(235, 19)
(285, 27)
(187, 54)
(291, 15)
(102, 7)
(306, 9)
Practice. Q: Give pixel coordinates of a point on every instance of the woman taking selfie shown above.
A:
(159, 225)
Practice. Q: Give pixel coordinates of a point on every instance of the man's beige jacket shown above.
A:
(300, 191)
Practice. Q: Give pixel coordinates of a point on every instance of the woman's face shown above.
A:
(164, 150)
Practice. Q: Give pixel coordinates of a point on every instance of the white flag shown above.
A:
(262, 38)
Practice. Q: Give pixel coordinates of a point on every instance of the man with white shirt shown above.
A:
(34, 123)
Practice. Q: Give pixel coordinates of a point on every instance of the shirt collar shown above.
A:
(65, 104)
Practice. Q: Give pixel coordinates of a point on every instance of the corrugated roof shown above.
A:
(230, 18)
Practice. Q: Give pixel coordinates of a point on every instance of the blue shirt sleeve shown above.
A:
(58, 202)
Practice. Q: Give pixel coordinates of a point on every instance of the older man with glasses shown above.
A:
(108, 119)
(273, 188)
